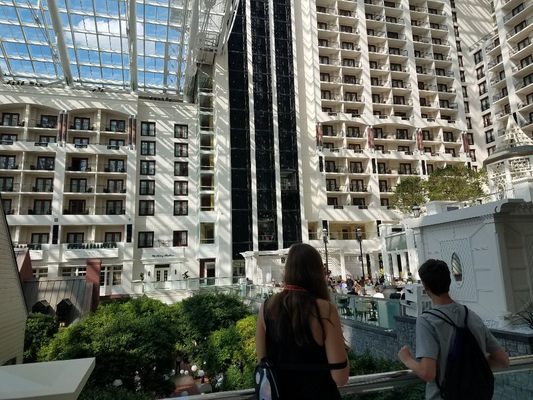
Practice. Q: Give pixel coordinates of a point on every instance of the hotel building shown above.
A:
(220, 153)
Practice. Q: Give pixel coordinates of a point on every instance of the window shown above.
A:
(485, 104)
(487, 120)
(472, 154)
(181, 131)
(110, 275)
(147, 148)
(181, 168)
(181, 150)
(147, 128)
(429, 168)
(179, 238)
(478, 57)
(323, 42)
(462, 76)
(181, 188)
(348, 46)
(352, 131)
(396, 67)
(117, 125)
(523, 43)
(441, 87)
(324, 77)
(112, 237)
(465, 92)
(76, 207)
(79, 141)
(40, 273)
(405, 169)
(489, 136)
(207, 232)
(324, 60)
(399, 100)
(42, 207)
(147, 187)
(448, 137)
(46, 163)
(48, 121)
(40, 238)
(43, 185)
(73, 271)
(482, 88)
(470, 137)
(384, 202)
(427, 135)
(115, 143)
(181, 207)
(78, 185)
(147, 167)
(449, 150)
(347, 62)
(490, 150)
(467, 107)
(6, 205)
(115, 186)
(146, 207)
(115, 165)
(458, 44)
(81, 123)
(10, 119)
(480, 72)
(75, 237)
(114, 207)
(6, 184)
(146, 239)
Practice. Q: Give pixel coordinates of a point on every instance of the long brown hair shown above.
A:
(290, 310)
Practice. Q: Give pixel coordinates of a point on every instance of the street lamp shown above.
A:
(325, 239)
(359, 238)
(416, 210)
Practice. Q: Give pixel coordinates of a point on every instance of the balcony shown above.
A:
(79, 168)
(71, 211)
(90, 250)
(114, 168)
(43, 167)
(46, 211)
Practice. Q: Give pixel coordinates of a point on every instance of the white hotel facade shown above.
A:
(306, 121)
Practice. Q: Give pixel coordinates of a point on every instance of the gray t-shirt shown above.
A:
(434, 336)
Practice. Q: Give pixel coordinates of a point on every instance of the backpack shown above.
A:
(266, 387)
(468, 374)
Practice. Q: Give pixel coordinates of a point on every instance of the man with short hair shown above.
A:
(434, 336)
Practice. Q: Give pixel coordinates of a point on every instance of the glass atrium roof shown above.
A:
(139, 45)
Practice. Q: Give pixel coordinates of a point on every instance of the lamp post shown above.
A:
(359, 238)
(325, 239)
(416, 210)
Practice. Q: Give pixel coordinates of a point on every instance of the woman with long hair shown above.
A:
(299, 331)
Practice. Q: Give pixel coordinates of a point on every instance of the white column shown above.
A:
(395, 271)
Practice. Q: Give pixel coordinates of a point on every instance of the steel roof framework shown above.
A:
(133, 45)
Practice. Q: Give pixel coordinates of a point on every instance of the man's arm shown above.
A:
(498, 358)
(425, 369)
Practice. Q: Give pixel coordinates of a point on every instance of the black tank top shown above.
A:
(302, 371)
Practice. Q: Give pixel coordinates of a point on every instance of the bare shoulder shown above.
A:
(326, 308)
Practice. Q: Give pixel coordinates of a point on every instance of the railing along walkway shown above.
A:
(371, 383)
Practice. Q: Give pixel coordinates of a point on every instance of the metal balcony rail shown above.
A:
(91, 245)
(362, 384)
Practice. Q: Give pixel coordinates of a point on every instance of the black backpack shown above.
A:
(266, 387)
(468, 374)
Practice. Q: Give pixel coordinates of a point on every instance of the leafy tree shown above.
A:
(232, 351)
(40, 328)
(367, 364)
(409, 191)
(455, 183)
(202, 314)
(126, 337)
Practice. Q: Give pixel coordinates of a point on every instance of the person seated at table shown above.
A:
(379, 292)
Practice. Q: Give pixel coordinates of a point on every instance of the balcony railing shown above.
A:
(374, 383)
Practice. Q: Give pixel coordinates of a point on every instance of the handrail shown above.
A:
(372, 382)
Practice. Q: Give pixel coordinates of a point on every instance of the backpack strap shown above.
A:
(444, 318)
(466, 316)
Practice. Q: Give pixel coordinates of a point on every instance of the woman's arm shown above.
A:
(334, 342)
(260, 339)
